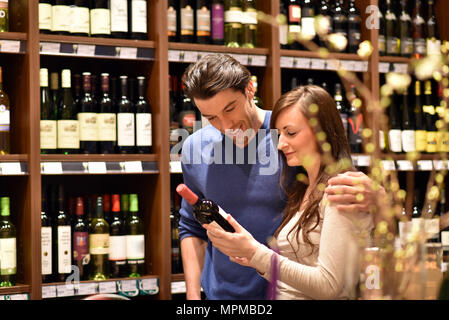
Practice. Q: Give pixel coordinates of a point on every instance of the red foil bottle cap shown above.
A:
(187, 194)
(115, 203)
(79, 206)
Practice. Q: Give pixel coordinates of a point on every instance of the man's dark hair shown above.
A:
(214, 73)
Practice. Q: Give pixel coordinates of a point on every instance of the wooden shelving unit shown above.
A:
(23, 51)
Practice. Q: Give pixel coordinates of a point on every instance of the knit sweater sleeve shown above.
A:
(326, 279)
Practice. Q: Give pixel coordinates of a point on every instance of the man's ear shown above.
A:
(250, 90)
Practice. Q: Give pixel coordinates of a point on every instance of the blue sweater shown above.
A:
(246, 184)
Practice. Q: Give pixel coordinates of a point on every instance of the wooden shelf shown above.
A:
(393, 59)
(20, 288)
(13, 157)
(216, 48)
(13, 42)
(13, 36)
(99, 157)
(98, 41)
(13, 164)
(331, 55)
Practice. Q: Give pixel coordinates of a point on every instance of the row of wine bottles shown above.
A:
(84, 121)
(301, 14)
(419, 126)
(99, 18)
(8, 246)
(96, 247)
(230, 22)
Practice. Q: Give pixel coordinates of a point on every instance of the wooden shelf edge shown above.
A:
(98, 41)
(99, 157)
(392, 59)
(13, 36)
(13, 157)
(310, 54)
(177, 277)
(215, 48)
(151, 276)
(21, 288)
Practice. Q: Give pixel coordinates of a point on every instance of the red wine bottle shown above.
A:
(205, 211)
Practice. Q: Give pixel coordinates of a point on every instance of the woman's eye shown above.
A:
(291, 133)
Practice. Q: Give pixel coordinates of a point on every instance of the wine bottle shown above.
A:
(187, 21)
(143, 119)
(135, 239)
(217, 22)
(5, 145)
(172, 21)
(391, 36)
(46, 240)
(54, 90)
(205, 211)
(418, 24)
(80, 23)
(421, 131)
(45, 16)
(61, 17)
(283, 25)
(325, 12)
(354, 27)
(87, 118)
(100, 19)
(433, 42)
(406, 40)
(63, 240)
(175, 243)
(233, 23)
(138, 28)
(341, 107)
(99, 243)
(117, 238)
(294, 24)
(408, 129)
(257, 99)
(249, 24)
(187, 116)
(382, 33)
(340, 22)
(443, 133)
(48, 117)
(125, 120)
(355, 123)
(4, 16)
(8, 247)
(202, 21)
(429, 115)
(67, 125)
(119, 19)
(395, 132)
(107, 119)
(81, 256)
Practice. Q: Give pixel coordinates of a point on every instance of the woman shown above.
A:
(318, 252)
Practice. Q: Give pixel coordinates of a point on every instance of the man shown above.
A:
(234, 161)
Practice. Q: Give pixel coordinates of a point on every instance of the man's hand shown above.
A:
(352, 192)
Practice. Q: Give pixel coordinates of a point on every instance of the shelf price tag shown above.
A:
(10, 46)
(363, 161)
(128, 287)
(133, 166)
(405, 165)
(301, 63)
(190, 56)
(388, 165)
(85, 289)
(51, 168)
(86, 50)
(425, 165)
(178, 287)
(107, 287)
(286, 62)
(10, 168)
(50, 47)
(384, 67)
(97, 167)
(439, 165)
(317, 64)
(19, 296)
(48, 292)
(333, 64)
(400, 67)
(173, 55)
(347, 65)
(127, 53)
(65, 290)
(175, 167)
(149, 286)
(257, 60)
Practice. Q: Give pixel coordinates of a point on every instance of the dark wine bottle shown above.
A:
(135, 239)
(117, 251)
(341, 106)
(45, 16)
(99, 243)
(354, 27)
(340, 23)
(187, 21)
(100, 19)
(46, 240)
(405, 40)
(8, 246)
(355, 123)
(418, 24)
(107, 119)
(430, 118)
(382, 32)
(395, 133)
(63, 239)
(125, 120)
(137, 20)
(421, 130)
(205, 211)
(81, 256)
(433, 42)
(60, 17)
(391, 37)
(87, 118)
(187, 115)
(203, 21)
(294, 24)
(48, 117)
(217, 22)
(326, 12)
(408, 129)
(68, 128)
(172, 21)
(54, 90)
(80, 22)
(283, 27)
(143, 119)
(119, 19)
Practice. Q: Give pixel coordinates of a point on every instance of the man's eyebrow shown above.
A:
(227, 106)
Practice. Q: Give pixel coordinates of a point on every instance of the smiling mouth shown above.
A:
(288, 154)
(235, 132)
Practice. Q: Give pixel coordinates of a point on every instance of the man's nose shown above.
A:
(227, 124)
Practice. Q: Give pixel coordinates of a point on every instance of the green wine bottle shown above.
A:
(135, 239)
(4, 16)
(99, 245)
(8, 252)
(249, 24)
(233, 23)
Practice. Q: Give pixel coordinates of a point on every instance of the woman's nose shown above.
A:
(281, 144)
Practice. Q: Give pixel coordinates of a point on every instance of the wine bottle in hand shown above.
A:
(205, 211)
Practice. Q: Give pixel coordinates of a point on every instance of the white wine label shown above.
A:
(117, 249)
(143, 129)
(283, 30)
(61, 18)
(80, 20)
(203, 21)
(249, 17)
(125, 129)
(68, 134)
(88, 126)
(99, 243)
(432, 227)
(139, 16)
(233, 15)
(171, 20)
(308, 27)
(107, 126)
(119, 16)
(135, 247)
(408, 141)
(46, 247)
(382, 144)
(445, 238)
(433, 46)
(45, 16)
(100, 21)
(395, 137)
(4, 116)
(64, 249)
(187, 25)
(8, 256)
(48, 134)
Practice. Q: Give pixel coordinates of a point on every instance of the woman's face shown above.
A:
(296, 138)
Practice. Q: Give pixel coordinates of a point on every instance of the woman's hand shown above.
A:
(240, 246)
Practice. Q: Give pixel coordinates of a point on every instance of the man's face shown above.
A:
(231, 112)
